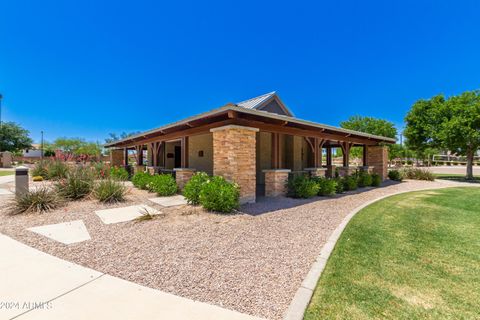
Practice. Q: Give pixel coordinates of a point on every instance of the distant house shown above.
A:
(34, 152)
(257, 143)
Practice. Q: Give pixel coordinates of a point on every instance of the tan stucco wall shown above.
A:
(170, 148)
(264, 154)
(203, 142)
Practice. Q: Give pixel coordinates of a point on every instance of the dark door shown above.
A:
(178, 157)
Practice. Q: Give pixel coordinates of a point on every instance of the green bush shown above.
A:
(376, 180)
(40, 170)
(77, 185)
(339, 187)
(119, 173)
(395, 175)
(192, 189)
(364, 179)
(302, 187)
(109, 191)
(418, 174)
(40, 200)
(409, 162)
(327, 187)
(350, 183)
(163, 184)
(219, 195)
(57, 170)
(141, 180)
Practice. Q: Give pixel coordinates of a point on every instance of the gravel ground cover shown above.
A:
(252, 262)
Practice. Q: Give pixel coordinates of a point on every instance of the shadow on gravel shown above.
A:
(265, 205)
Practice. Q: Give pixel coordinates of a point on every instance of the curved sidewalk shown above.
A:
(36, 285)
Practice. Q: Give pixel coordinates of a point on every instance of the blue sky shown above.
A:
(87, 68)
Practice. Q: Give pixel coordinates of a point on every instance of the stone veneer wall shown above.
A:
(276, 182)
(377, 157)
(182, 176)
(234, 158)
(116, 157)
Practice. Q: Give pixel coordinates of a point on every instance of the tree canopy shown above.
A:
(74, 147)
(371, 125)
(13, 137)
(452, 124)
(115, 137)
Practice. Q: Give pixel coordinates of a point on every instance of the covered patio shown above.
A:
(256, 143)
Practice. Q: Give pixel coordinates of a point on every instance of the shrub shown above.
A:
(39, 200)
(109, 191)
(339, 187)
(192, 189)
(364, 179)
(376, 180)
(141, 180)
(101, 170)
(40, 169)
(409, 162)
(57, 170)
(78, 184)
(418, 174)
(302, 187)
(219, 195)
(326, 186)
(37, 178)
(395, 175)
(163, 184)
(119, 173)
(350, 183)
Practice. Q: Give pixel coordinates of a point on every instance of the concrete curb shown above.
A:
(299, 304)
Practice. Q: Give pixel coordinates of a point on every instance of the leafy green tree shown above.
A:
(115, 137)
(370, 125)
(452, 124)
(92, 149)
(68, 146)
(14, 138)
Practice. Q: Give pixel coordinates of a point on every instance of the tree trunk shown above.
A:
(470, 155)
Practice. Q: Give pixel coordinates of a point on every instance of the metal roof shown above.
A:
(253, 103)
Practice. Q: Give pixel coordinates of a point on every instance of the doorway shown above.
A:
(178, 157)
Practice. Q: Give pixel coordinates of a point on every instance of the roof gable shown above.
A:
(269, 102)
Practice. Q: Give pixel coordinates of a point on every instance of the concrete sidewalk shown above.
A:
(36, 285)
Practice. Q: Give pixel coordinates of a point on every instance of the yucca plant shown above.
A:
(57, 170)
(40, 200)
(77, 185)
(109, 191)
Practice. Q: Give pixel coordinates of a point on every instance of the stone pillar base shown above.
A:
(330, 173)
(182, 176)
(317, 172)
(137, 169)
(276, 182)
(116, 157)
(153, 170)
(346, 171)
(377, 156)
(368, 169)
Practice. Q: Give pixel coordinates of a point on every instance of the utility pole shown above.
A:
(41, 147)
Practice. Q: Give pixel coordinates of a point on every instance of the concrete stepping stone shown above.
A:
(177, 200)
(122, 214)
(66, 232)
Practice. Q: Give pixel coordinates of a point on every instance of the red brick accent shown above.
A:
(182, 176)
(377, 156)
(276, 182)
(234, 158)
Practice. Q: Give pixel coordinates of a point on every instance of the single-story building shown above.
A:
(256, 143)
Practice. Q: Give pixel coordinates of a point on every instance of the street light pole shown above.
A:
(41, 147)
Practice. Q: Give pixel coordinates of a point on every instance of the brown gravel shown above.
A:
(252, 262)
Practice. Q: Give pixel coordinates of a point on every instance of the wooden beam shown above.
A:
(275, 151)
(184, 153)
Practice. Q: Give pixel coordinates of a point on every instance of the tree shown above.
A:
(68, 146)
(452, 124)
(370, 125)
(114, 137)
(14, 138)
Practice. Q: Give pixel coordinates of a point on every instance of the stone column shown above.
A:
(331, 171)
(377, 157)
(276, 182)
(317, 172)
(234, 157)
(116, 157)
(182, 176)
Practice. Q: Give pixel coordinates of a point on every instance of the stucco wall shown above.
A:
(264, 154)
(203, 142)
(170, 148)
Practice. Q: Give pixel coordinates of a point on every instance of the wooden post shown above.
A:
(275, 151)
(125, 156)
(329, 156)
(365, 150)
(184, 148)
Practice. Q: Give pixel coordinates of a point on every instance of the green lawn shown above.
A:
(410, 256)
(456, 177)
(6, 173)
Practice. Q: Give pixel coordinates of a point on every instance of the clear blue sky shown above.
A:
(87, 68)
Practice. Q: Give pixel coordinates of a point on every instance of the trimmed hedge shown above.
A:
(194, 186)
(163, 184)
(395, 175)
(302, 187)
(141, 180)
(327, 187)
